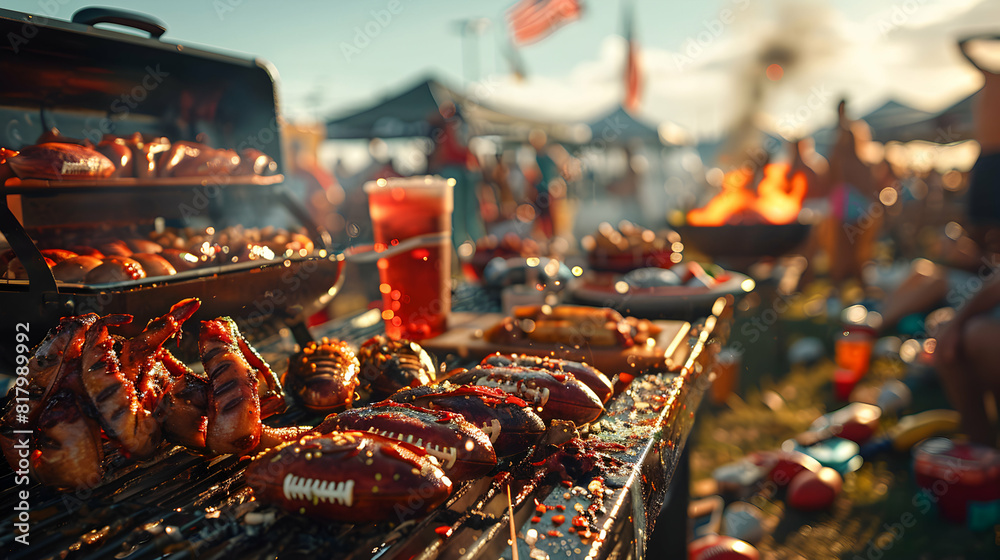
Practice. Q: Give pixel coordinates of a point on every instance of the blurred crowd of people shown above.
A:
(865, 208)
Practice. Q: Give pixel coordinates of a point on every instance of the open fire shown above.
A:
(776, 199)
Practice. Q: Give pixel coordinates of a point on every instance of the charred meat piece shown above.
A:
(60, 161)
(353, 477)
(554, 395)
(233, 403)
(81, 387)
(512, 426)
(52, 360)
(5, 170)
(153, 264)
(191, 159)
(389, 365)
(75, 269)
(69, 452)
(182, 409)
(118, 152)
(324, 375)
(145, 153)
(588, 375)
(119, 410)
(463, 450)
(139, 354)
(255, 162)
(115, 269)
(269, 389)
(273, 437)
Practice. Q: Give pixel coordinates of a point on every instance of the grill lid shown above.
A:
(88, 81)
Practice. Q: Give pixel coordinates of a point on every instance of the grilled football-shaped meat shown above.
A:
(115, 248)
(5, 171)
(462, 449)
(118, 152)
(57, 255)
(145, 152)
(507, 420)
(16, 270)
(555, 395)
(153, 264)
(255, 162)
(180, 259)
(140, 245)
(191, 159)
(353, 477)
(588, 375)
(324, 375)
(388, 365)
(115, 269)
(75, 269)
(60, 160)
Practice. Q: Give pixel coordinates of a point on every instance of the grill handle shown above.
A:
(142, 22)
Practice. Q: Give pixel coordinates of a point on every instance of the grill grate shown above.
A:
(181, 505)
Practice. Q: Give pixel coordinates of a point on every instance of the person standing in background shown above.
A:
(452, 159)
(626, 188)
(554, 166)
(548, 178)
(967, 352)
(317, 189)
(852, 227)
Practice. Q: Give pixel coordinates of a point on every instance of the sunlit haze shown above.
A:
(699, 58)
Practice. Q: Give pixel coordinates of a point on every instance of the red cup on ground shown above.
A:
(853, 349)
(728, 363)
(413, 212)
(844, 381)
(962, 478)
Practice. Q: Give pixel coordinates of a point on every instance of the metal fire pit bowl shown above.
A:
(757, 240)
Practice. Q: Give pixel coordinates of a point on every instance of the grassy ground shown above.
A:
(776, 401)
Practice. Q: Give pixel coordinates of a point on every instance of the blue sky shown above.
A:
(306, 40)
(303, 37)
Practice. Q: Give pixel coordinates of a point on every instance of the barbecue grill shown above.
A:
(86, 82)
(182, 505)
(179, 503)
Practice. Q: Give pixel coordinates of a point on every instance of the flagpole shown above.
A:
(470, 30)
(514, 59)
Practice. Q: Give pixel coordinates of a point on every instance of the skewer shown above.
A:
(513, 530)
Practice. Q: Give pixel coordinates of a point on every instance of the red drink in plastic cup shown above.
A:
(727, 374)
(853, 349)
(962, 478)
(844, 381)
(416, 284)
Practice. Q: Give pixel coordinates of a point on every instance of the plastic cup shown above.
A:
(727, 374)
(415, 284)
(844, 381)
(853, 350)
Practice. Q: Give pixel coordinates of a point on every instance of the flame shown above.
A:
(776, 200)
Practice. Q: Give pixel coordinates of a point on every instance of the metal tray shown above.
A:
(45, 186)
(286, 291)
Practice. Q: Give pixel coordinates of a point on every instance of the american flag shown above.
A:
(633, 70)
(532, 20)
